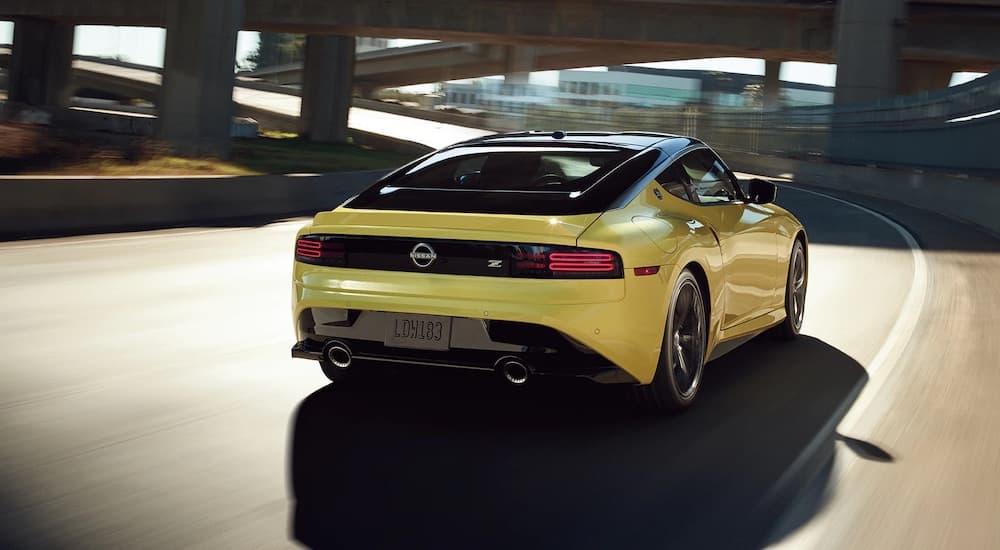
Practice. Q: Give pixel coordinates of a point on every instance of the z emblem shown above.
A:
(494, 263)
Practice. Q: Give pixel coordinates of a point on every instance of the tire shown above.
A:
(795, 293)
(682, 354)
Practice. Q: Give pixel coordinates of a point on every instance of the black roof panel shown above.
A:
(625, 140)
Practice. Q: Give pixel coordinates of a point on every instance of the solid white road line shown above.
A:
(867, 411)
(870, 406)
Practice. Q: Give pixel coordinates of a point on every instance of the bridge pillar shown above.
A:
(41, 65)
(327, 87)
(196, 99)
(772, 85)
(924, 76)
(868, 36)
(520, 63)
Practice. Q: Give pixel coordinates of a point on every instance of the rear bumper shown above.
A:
(620, 321)
(599, 370)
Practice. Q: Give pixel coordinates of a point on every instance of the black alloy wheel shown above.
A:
(795, 293)
(682, 354)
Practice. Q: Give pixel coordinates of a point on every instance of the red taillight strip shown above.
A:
(580, 257)
(580, 262)
(582, 268)
(306, 248)
(314, 249)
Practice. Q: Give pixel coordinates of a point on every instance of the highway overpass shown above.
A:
(881, 47)
(951, 31)
(421, 64)
(443, 61)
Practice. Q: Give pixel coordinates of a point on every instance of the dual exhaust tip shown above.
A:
(338, 354)
(511, 368)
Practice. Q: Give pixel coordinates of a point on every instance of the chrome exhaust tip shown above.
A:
(513, 370)
(338, 354)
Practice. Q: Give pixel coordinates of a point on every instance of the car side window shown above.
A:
(709, 180)
(671, 180)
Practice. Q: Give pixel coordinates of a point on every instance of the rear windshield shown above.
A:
(516, 180)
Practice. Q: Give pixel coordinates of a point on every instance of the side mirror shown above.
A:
(762, 191)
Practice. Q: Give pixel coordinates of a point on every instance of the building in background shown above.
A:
(493, 94)
(631, 86)
(621, 87)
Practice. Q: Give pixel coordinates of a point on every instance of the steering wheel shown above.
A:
(548, 179)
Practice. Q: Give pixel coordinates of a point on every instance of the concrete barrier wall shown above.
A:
(972, 200)
(39, 207)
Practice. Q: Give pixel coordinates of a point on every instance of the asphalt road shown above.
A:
(148, 400)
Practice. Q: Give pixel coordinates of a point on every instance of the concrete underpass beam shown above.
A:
(41, 63)
(924, 76)
(327, 87)
(868, 38)
(196, 99)
(772, 85)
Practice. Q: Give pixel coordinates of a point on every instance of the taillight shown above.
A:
(477, 258)
(582, 262)
(547, 262)
(320, 250)
(305, 248)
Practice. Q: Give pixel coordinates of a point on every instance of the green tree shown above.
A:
(277, 49)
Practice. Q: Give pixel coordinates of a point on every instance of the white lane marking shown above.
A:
(864, 414)
(152, 234)
(887, 359)
(974, 117)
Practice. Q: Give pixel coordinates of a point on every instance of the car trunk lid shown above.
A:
(496, 228)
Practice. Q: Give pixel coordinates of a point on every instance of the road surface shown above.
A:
(148, 400)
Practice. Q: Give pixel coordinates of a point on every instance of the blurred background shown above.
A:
(156, 159)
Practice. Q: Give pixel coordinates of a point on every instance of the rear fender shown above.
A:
(649, 232)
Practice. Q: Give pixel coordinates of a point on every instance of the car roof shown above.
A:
(624, 140)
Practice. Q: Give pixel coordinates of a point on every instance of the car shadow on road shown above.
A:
(441, 460)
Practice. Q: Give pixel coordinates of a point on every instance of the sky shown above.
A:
(144, 45)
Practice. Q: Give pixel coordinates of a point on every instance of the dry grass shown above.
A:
(29, 150)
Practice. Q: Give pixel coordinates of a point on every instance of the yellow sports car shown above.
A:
(628, 258)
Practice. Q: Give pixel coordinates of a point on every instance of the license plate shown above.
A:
(418, 331)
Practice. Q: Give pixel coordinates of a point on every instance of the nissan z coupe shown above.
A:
(626, 258)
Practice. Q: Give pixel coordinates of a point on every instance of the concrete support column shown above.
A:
(868, 37)
(924, 76)
(772, 85)
(327, 87)
(41, 65)
(366, 90)
(520, 63)
(196, 99)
